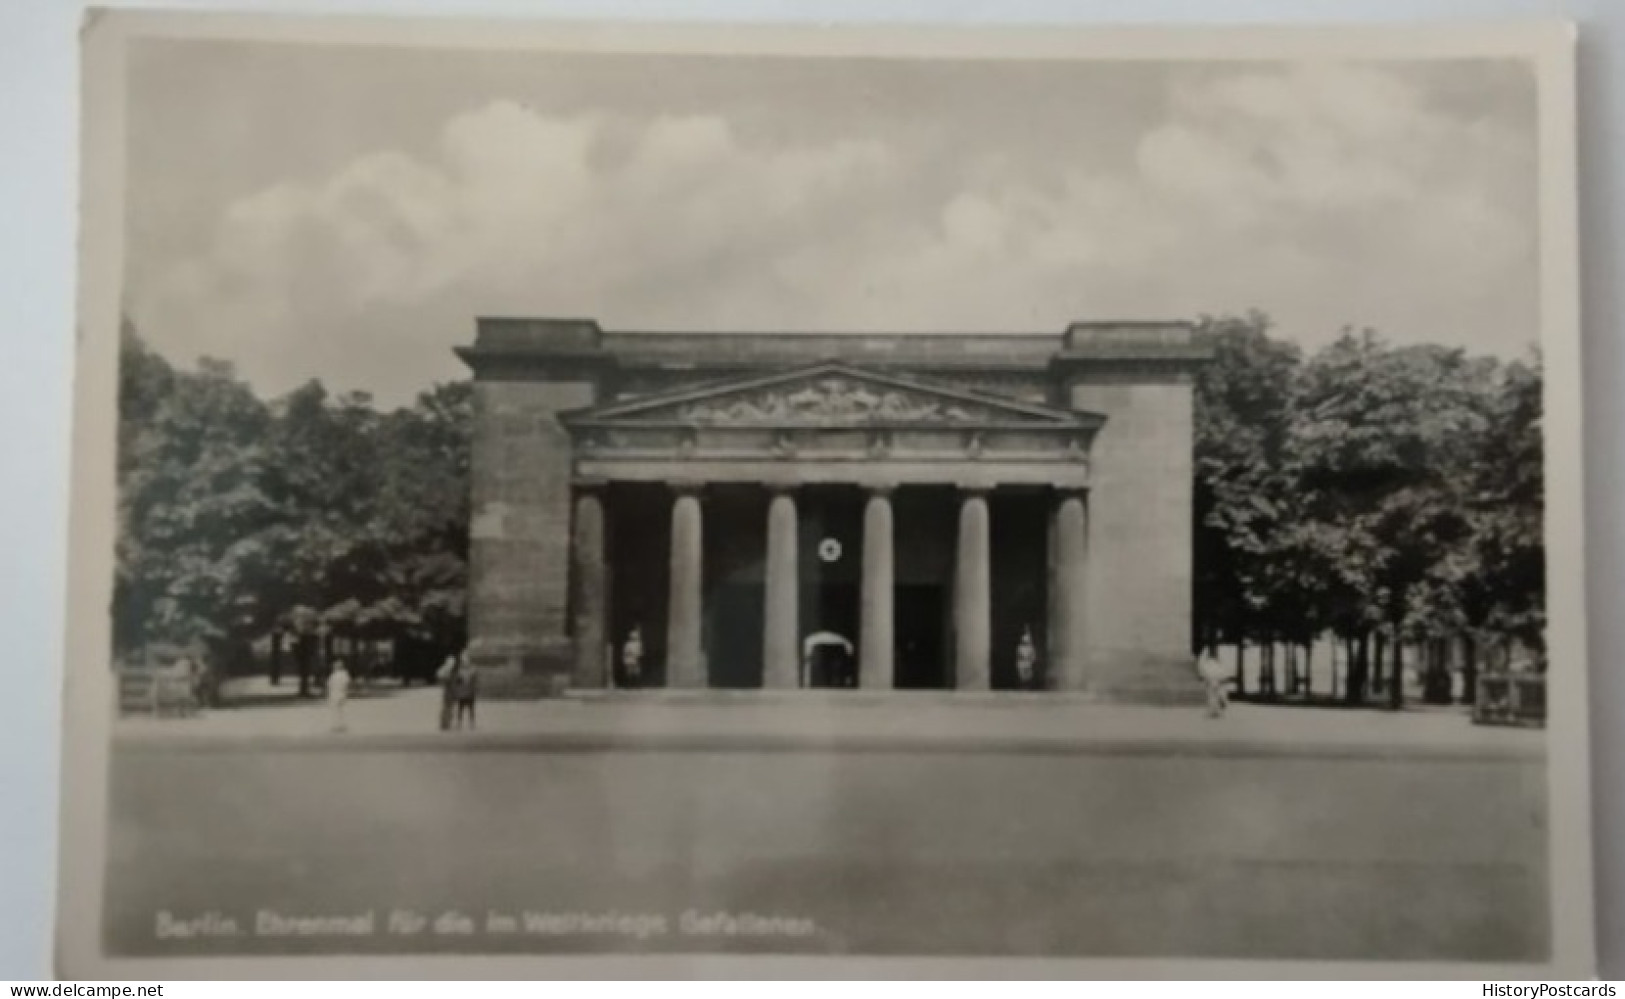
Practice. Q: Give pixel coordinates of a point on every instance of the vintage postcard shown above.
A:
(568, 500)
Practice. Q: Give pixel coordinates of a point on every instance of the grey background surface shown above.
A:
(38, 191)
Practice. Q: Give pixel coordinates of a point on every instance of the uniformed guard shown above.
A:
(632, 657)
(1026, 659)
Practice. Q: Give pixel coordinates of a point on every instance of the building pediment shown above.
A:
(831, 395)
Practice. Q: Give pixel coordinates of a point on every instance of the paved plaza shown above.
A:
(831, 824)
(388, 715)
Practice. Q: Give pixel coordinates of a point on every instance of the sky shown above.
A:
(345, 213)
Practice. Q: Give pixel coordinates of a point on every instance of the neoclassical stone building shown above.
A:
(945, 510)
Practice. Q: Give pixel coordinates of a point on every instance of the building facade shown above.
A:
(914, 511)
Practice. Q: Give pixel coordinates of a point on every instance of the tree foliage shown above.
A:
(1368, 489)
(309, 513)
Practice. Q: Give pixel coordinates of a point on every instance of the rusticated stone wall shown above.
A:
(1138, 586)
(520, 531)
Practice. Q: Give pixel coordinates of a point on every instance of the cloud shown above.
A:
(1324, 195)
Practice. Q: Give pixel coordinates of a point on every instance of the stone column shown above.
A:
(876, 642)
(781, 628)
(1071, 533)
(685, 662)
(592, 586)
(973, 598)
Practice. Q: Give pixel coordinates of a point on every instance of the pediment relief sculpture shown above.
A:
(831, 400)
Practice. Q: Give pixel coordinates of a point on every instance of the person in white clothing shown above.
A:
(338, 694)
(1213, 676)
(1027, 660)
(632, 658)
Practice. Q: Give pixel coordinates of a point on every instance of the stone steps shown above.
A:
(1127, 679)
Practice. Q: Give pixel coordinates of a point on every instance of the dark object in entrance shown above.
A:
(829, 661)
(736, 635)
(922, 648)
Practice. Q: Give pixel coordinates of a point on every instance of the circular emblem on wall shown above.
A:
(829, 550)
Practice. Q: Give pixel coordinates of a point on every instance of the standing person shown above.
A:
(632, 657)
(1213, 675)
(190, 677)
(466, 682)
(205, 684)
(1026, 660)
(445, 675)
(338, 694)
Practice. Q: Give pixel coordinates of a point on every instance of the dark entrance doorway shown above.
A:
(735, 548)
(831, 629)
(735, 643)
(639, 529)
(921, 634)
(1020, 587)
(830, 562)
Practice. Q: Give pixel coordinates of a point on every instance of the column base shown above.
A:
(536, 669)
(1134, 677)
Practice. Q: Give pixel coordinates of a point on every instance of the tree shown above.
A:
(190, 501)
(1503, 570)
(1241, 422)
(309, 518)
(1377, 449)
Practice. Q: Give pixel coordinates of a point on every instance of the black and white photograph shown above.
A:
(717, 498)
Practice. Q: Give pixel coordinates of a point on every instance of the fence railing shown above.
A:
(1511, 699)
(161, 691)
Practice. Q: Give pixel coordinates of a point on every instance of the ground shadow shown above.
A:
(1337, 702)
(255, 692)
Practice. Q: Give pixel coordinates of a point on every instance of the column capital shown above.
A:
(782, 488)
(880, 490)
(1066, 492)
(590, 484)
(687, 487)
(974, 488)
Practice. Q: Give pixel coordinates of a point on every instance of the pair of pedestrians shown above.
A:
(459, 689)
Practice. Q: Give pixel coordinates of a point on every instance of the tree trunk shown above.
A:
(1241, 676)
(304, 650)
(1309, 670)
(1396, 681)
(276, 658)
(1469, 669)
(1266, 669)
(1365, 665)
(1437, 687)
(1379, 676)
(324, 662)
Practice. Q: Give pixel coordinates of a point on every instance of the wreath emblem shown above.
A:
(829, 550)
